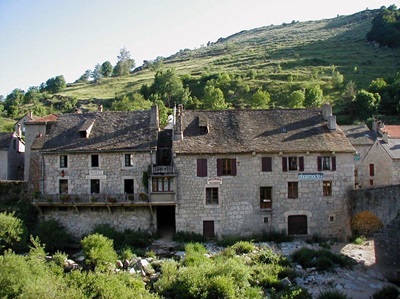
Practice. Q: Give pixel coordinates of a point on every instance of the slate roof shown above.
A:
(276, 130)
(392, 148)
(111, 131)
(5, 141)
(359, 134)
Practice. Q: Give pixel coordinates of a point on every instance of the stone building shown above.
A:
(92, 168)
(362, 138)
(382, 162)
(12, 149)
(252, 171)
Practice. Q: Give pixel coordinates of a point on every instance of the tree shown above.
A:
(85, 76)
(260, 99)
(99, 251)
(337, 78)
(56, 84)
(106, 69)
(11, 229)
(137, 102)
(386, 27)
(125, 63)
(96, 74)
(33, 95)
(213, 98)
(313, 97)
(366, 104)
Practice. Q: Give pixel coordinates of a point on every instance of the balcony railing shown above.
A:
(91, 199)
(162, 169)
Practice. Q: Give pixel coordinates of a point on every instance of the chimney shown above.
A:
(326, 111)
(331, 122)
(178, 126)
(385, 136)
(100, 108)
(154, 119)
(30, 114)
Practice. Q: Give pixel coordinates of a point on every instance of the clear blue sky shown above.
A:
(41, 39)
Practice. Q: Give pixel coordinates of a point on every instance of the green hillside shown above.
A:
(276, 59)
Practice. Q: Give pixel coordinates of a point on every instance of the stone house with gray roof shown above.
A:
(95, 168)
(252, 171)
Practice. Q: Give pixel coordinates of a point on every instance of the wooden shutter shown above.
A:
(319, 163)
(371, 169)
(333, 163)
(233, 165)
(202, 167)
(284, 163)
(219, 167)
(266, 164)
(301, 163)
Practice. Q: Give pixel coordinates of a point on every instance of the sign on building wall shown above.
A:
(311, 176)
(214, 181)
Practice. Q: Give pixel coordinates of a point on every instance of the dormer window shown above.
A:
(203, 125)
(86, 128)
(203, 130)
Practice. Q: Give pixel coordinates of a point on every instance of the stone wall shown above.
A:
(238, 211)
(80, 222)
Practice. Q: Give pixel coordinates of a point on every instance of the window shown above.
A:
(293, 163)
(327, 188)
(63, 161)
(266, 164)
(128, 160)
(63, 186)
(163, 184)
(326, 163)
(265, 197)
(94, 160)
(371, 182)
(293, 190)
(128, 186)
(212, 196)
(371, 169)
(202, 167)
(226, 167)
(94, 186)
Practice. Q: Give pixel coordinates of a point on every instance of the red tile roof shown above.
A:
(393, 131)
(43, 119)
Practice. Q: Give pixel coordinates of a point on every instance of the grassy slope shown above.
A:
(285, 57)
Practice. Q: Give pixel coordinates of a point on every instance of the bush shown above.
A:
(242, 247)
(12, 230)
(320, 259)
(99, 252)
(387, 292)
(332, 294)
(53, 235)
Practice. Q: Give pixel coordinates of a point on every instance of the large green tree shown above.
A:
(366, 104)
(386, 27)
(260, 100)
(213, 98)
(56, 84)
(106, 69)
(313, 97)
(125, 63)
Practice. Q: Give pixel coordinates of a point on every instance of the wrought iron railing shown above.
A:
(91, 198)
(162, 169)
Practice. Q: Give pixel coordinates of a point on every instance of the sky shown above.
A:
(41, 39)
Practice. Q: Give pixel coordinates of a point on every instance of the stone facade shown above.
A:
(111, 172)
(82, 222)
(238, 210)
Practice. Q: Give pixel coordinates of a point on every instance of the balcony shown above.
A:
(103, 199)
(162, 169)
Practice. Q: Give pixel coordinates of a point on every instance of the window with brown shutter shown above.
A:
(301, 163)
(202, 167)
(265, 197)
(293, 191)
(293, 163)
(266, 164)
(371, 169)
(226, 167)
(326, 163)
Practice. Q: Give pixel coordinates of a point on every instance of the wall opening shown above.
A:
(208, 229)
(365, 224)
(297, 225)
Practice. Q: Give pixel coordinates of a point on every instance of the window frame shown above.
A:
(158, 184)
(212, 196)
(293, 163)
(63, 161)
(266, 197)
(60, 189)
(371, 169)
(92, 181)
(128, 160)
(95, 159)
(293, 190)
(266, 164)
(322, 166)
(133, 186)
(226, 167)
(327, 188)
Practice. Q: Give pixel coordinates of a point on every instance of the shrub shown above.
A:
(221, 287)
(109, 232)
(321, 259)
(53, 235)
(332, 294)
(359, 240)
(12, 230)
(275, 236)
(387, 292)
(99, 252)
(297, 293)
(242, 247)
(136, 238)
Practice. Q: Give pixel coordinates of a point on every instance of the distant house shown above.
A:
(362, 138)
(12, 149)
(253, 171)
(21, 124)
(382, 162)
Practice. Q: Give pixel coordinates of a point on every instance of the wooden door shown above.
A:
(208, 229)
(297, 225)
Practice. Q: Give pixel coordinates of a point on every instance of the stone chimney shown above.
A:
(178, 125)
(377, 125)
(154, 118)
(19, 131)
(100, 108)
(30, 114)
(331, 122)
(385, 137)
(326, 111)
